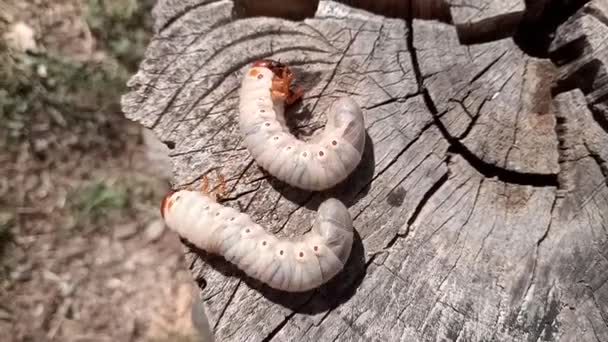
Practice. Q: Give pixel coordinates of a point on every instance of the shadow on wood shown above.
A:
(302, 9)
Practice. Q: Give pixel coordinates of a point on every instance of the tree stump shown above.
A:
(481, 202)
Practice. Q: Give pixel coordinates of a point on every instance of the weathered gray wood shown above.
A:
(481, 203)
(491, 98)
(484, 20)
(475, 11)
(581, 51)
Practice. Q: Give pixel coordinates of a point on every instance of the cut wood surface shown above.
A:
(481, 202)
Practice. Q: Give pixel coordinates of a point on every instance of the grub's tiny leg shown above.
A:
(205, 185)
(280, 88)
(221, 191)
(294, 95)
(280, 91)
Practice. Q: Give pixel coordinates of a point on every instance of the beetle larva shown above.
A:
(284, 264)
(316, 165)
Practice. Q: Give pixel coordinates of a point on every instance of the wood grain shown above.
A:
(481, 203)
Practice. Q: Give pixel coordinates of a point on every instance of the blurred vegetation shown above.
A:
(101, 200)
(72, 92)
(66, 90)
(95, 199)
(56, 104)
(123, 26)
(72, 166)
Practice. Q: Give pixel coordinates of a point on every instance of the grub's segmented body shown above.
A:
(289, 265)
(316, 165)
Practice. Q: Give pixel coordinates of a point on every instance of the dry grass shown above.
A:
(83, 254)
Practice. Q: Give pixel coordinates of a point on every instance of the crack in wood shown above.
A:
(603, 165)
(185, 153)
(423, 201)
(599, 308)
(469, 215)
(457, 147)
(487, 67)
(375, 44)
(406, 176)
(449, 305)
(400, 99)
(495, 324)
(546, 323)
(474, 118)
(300, 206)
(217, 322)
(278, 328)
(513, 143)
(445, 222)
(533, 273)
(239, 195)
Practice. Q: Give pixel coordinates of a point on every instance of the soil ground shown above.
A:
(84, 254)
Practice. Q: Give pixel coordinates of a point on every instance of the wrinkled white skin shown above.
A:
(315, 165)
(283, 264)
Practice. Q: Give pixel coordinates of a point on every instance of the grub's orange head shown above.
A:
(277, 68)
(166, 203)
